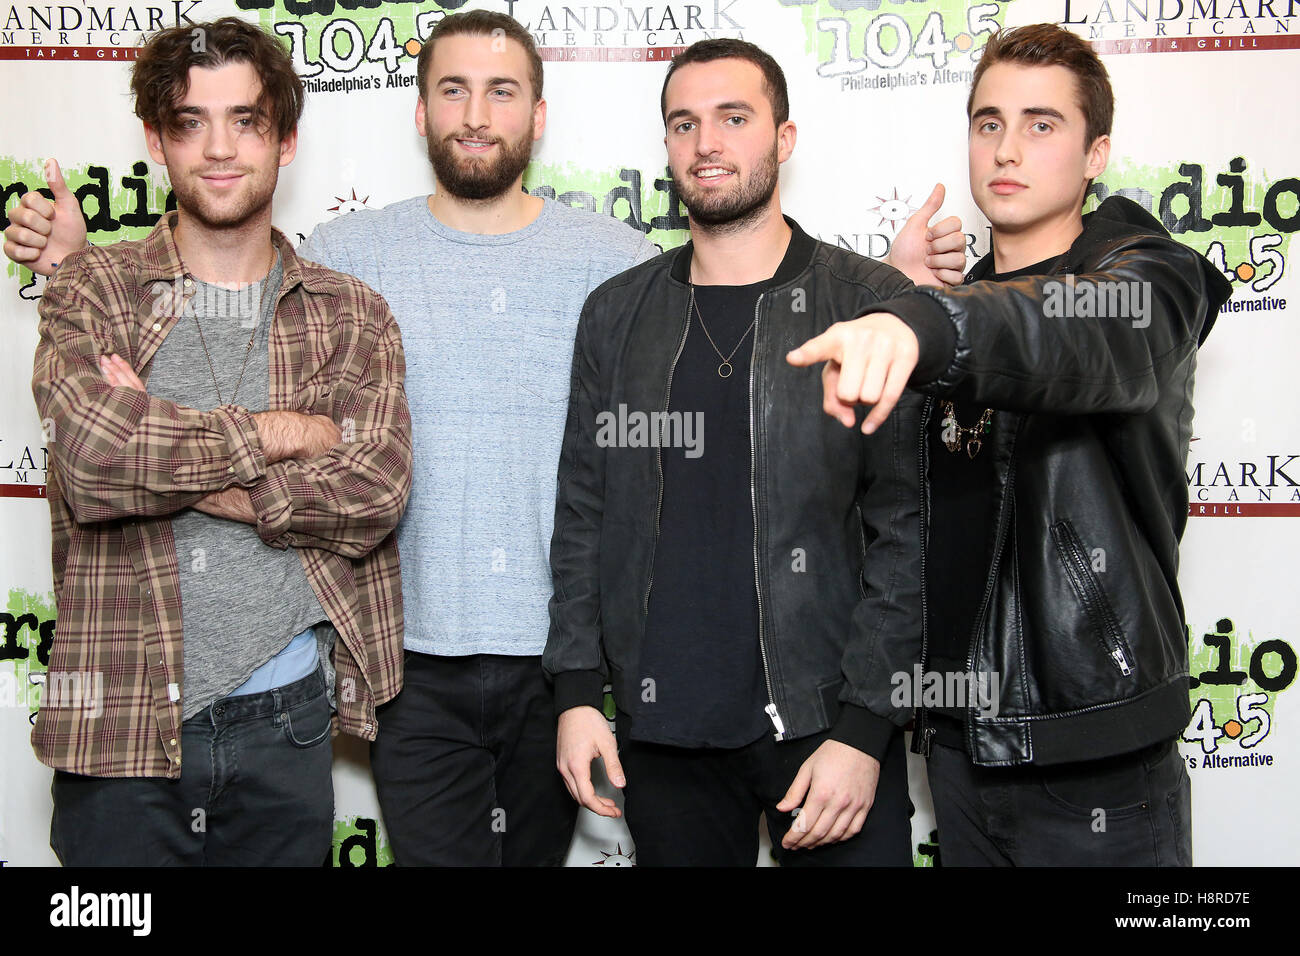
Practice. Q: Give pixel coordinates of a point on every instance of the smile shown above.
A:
(712, 173)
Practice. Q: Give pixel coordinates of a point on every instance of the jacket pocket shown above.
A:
(1078, 568)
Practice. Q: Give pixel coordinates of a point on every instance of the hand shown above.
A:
(118, 372)
(840, 783)
(930, 256)
(868, 362)
(582, 736)
(41, 233)
(232, 504)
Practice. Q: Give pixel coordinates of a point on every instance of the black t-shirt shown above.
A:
(960, 541)
(701, 645)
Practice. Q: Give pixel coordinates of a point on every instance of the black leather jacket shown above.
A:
(832, 569)
(1082, 617)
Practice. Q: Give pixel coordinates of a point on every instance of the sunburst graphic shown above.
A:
(893, 210)
(617, 858)
(349, 205)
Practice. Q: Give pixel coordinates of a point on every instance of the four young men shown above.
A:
(751, 595)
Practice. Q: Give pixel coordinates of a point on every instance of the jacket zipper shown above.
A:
(770, 709)
(999, 537)
(659, 459)
(1093, 601)
(923, 733)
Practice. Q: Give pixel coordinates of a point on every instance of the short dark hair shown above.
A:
(160, 76)
(723, 48)
(1046, 44)
(480, 23)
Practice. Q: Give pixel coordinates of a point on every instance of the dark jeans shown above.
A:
(1130, 810)
(255, 790)
(464, 765)
(687, 807)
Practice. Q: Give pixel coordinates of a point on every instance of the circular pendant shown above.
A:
(725, 370)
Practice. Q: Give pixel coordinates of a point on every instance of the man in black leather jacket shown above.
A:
(729, 580)
(1051, 558)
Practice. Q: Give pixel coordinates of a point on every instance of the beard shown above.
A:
(236, 210)
(469, 177)
(733, 211)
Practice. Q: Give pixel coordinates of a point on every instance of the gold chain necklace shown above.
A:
(952, 430)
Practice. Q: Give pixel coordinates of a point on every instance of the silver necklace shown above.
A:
(726, 359)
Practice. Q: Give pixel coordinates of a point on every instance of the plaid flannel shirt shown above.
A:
(123, 461)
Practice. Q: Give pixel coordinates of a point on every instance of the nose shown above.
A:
(220, 142)
(476, 111)
(1008, 149)
(708, 141)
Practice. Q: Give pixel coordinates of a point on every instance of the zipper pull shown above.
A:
(1122, 661)
(770, 710)
(927, 734)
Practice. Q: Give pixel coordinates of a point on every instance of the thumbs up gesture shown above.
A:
(41, 233)
(930, 255)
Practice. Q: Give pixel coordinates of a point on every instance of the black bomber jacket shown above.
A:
(1082, 617)
(844, 502)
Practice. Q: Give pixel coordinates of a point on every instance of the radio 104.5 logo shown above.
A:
(1235, 683)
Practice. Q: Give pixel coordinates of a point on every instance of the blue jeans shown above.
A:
(255, 790)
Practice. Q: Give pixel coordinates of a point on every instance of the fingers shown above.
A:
(946, 235)
(118, 372)
(819, 348)
(932, 203)
(831, 404)
(54, 179)
(29, 227)
(798, 787)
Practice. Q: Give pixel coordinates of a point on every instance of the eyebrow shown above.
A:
(492, 81)
(1028, 111)
(731, 106)
(202, 111)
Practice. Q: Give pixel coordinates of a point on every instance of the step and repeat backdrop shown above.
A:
(878, 89)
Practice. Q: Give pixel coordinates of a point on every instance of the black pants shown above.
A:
(255, 790)
(464, 765)
(687, 807)
(1130, 810)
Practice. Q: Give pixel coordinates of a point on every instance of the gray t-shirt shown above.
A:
(487, 324)
(241, 601)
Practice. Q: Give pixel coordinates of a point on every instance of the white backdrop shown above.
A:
(877, 91)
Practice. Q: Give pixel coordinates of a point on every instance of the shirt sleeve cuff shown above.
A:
(247, 460)
(272, 502)
(936, 336)
(860, 728)
(578, 689)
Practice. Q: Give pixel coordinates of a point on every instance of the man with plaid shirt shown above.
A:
(219, 569)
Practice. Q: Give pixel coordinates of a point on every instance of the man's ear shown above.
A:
(153, 142)
(289, 147)
(420, 116)
(1098, 157)
(539, 119)
(785, 136)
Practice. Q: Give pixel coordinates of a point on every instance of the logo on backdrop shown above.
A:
(1181, 26)
(374, 46)
(90, 31)
(1234, 685)
(26, 633)
(886, 44)
(646, 201)
(1243, 222)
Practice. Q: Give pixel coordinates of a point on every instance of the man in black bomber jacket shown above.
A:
(1053, 444)
(729, 571)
